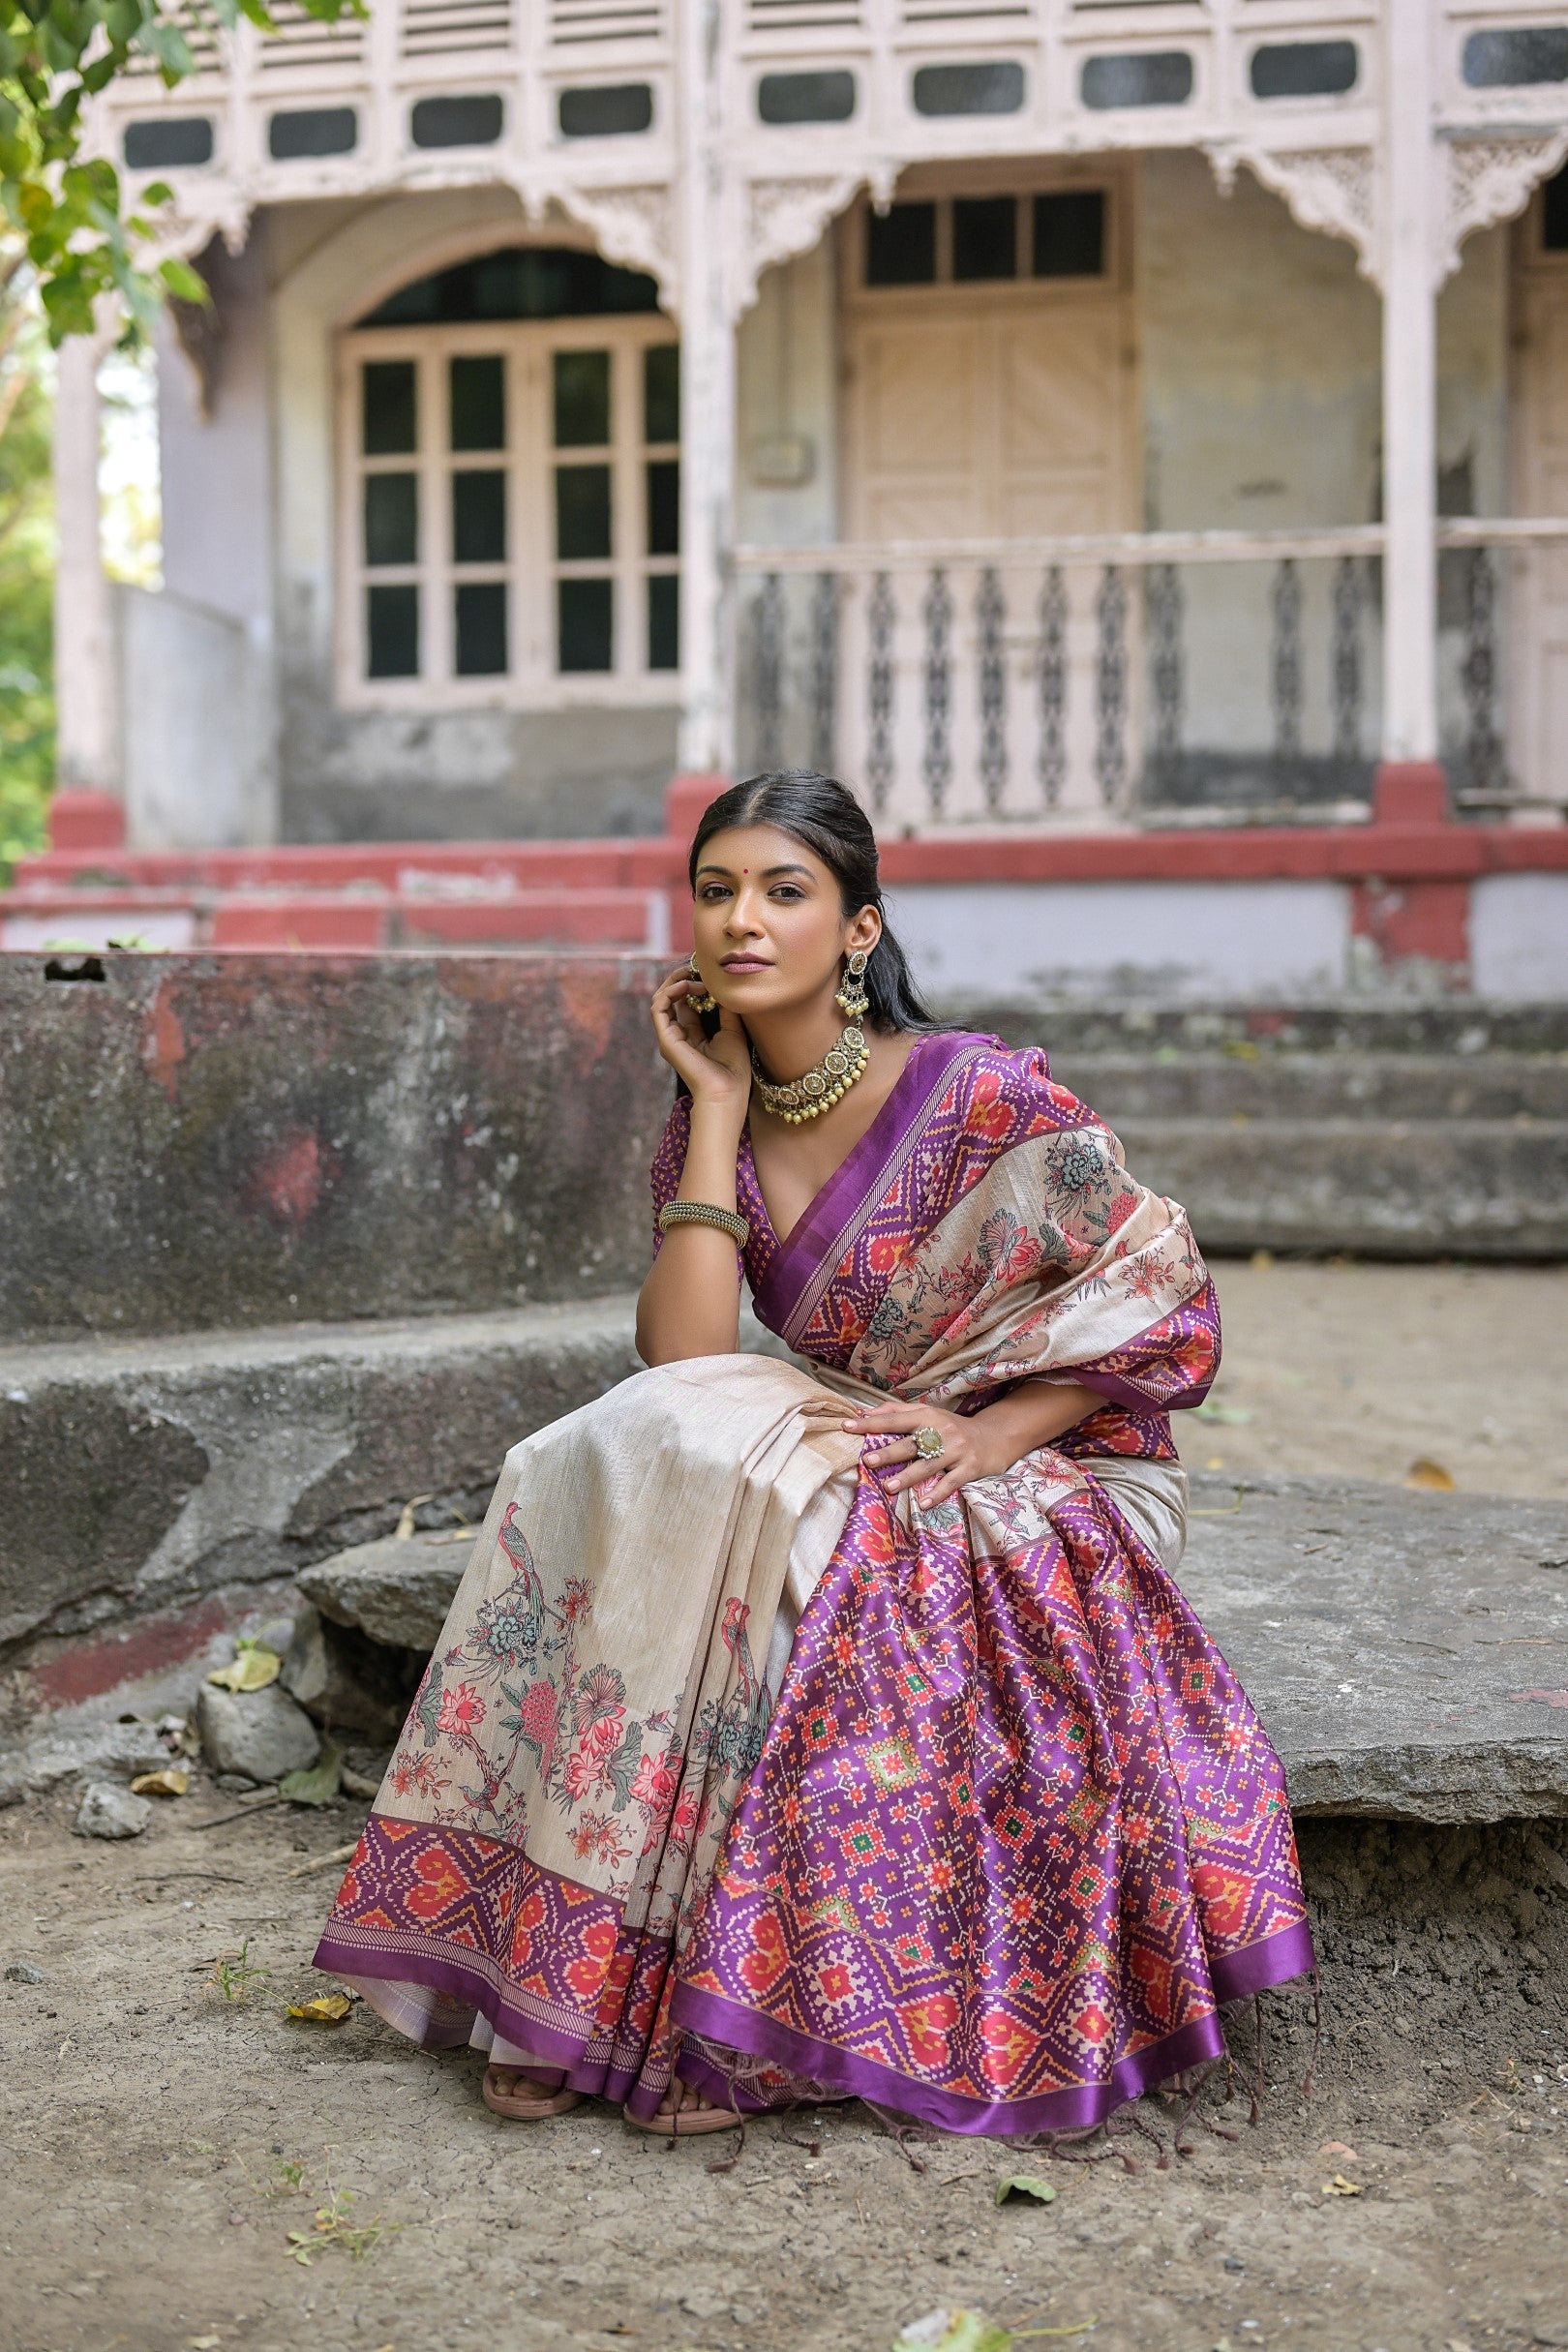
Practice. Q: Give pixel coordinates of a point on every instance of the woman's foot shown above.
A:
(509, 2091)
(684, 2112)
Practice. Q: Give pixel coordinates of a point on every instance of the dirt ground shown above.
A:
(165, 2142)
(1362, 1369)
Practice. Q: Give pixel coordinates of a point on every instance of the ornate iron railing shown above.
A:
(1164, 676)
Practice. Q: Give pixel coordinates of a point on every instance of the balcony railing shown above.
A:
(1164, 676)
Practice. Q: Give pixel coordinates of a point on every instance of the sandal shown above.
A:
(521, 2109)
(689, 2123)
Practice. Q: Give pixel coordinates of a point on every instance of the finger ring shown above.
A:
(929, 1444)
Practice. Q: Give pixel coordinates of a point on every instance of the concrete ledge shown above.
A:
(1408, 1652)
(1404, 1650)
(141, 1476)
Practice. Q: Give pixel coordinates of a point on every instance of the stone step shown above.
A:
(1404, 1650)
(1368, 1087)
(1411, 1189)
(143, 1477)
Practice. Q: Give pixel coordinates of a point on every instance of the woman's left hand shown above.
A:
(965, 1454)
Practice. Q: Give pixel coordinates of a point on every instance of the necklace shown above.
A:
(808, 1096)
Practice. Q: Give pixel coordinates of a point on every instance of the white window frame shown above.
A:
(531, 571)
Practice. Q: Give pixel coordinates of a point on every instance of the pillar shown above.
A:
(708, 390)
(1409, 782)
(86, 811)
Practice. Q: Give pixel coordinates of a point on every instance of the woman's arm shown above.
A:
(974, 1445)
(690, 1303)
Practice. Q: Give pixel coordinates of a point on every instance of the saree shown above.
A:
(997, 1834)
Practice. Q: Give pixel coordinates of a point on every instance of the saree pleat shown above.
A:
(1010, 1835)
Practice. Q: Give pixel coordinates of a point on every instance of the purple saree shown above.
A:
(1010, 1833)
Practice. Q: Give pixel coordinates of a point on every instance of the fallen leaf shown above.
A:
(326, 2008)
(204, 2343)
(1216, 1462)
(1262, 1260)
(1234, 1416)
(1424, 1472)
(170, 1782)
(318, 1784)
(1339, 2187)
(252, 1667)
(1025, 2185)
(955, 2330)
(1339, 2148)
(404, 1530)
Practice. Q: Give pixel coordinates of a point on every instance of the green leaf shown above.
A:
(955, 2330)
(165, 42)
(184, 283)
(1025, 2186)
(319, 1784)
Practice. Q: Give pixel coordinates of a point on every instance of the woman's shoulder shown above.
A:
(996, 1083)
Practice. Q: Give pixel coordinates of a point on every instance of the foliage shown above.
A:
(26, 564)
(54, 56)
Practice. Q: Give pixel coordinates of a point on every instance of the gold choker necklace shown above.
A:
(821, 1087)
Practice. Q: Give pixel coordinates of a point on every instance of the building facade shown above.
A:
(1061, 414)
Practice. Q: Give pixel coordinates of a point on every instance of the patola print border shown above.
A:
(627, 2065)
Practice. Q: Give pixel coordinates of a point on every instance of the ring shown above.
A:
(929, 1444)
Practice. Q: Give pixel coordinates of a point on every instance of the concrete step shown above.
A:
(156, 1489)
(1412, 1189)
(1402, 1649)
(1365, 1087)
(460, 910)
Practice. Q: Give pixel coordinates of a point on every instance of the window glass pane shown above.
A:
(984, 237)
(387, 408)
(583, 624)
(664, 622)
(997, 88)
(1304, 69)
(582, 513)
(479, 609)
(175, 146)
(455, 122)
(806, 98)
(479, 403)
(664, 507)
(518, 282)
(661, 392)
(479, 518)
(582, 399)
(392, 632)
(306, 131)
(1511, 60)
(605, 110)
(1156, 77)
(900, 246)
(1069, 233)
(391, 518)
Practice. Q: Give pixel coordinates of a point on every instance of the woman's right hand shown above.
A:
(717, 1069)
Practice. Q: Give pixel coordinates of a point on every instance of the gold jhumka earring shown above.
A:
(708, 1001)
(851, 998)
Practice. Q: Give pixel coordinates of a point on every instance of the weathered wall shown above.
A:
(199, 1141)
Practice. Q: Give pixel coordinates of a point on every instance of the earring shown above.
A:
(708, 1001)
(851, 999)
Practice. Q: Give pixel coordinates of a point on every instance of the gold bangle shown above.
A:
(704, 1213)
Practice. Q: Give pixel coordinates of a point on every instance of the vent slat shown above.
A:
(436, 28)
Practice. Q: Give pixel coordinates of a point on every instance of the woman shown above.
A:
(834, 1725)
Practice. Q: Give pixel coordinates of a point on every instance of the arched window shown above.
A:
(512, 486)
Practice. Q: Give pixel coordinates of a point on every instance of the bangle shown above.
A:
(704, 1213)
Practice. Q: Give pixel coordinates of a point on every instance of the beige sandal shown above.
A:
(689, 2123)
(536, 2109)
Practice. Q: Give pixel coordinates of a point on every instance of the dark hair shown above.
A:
(826, 817)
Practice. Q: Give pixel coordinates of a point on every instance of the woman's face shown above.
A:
(769, 929)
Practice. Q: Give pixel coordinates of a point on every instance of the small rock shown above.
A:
(347, 1681)
(234, 1783)
(277, 1634)
(107, 1810)
(1550, 2332)
(395, 1589)
(1234, 2262)
(262, 1734)
(23, 1972)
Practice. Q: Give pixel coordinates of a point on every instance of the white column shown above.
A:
(707, 387)
(1411, 193)
(87, 758)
